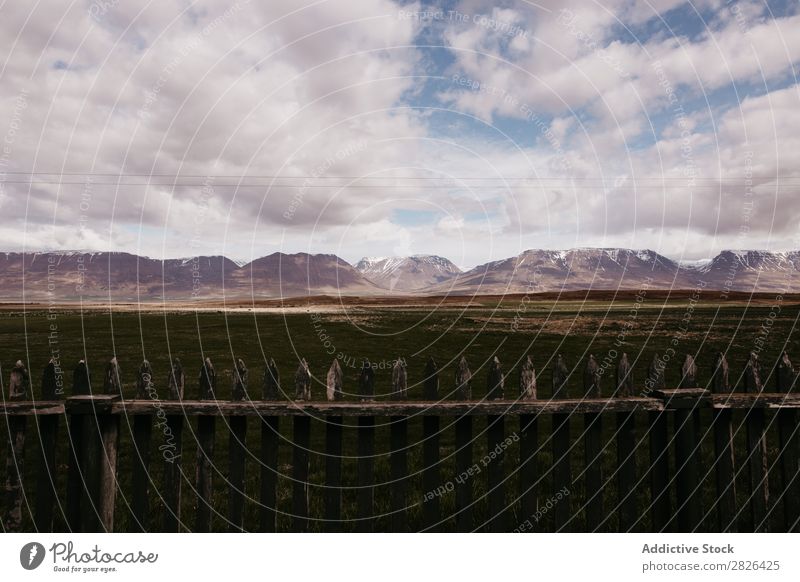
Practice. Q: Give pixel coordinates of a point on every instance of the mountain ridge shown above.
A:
(120, 275)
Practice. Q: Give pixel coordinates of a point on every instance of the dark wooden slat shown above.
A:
(496, 493)
(529, 469)
(431, 512)
(463, 480)
(399, 473)
(270, 437)
(140, 473)
(14, 487)
(626, 472)
(688, 494)
(790, 473)
(300, 460)
(725, 471)
(785, 382)
(75, 472)
(660, 502)
(173, 474)
(333, 474)
(107, 466)
(366, 474)
(593, 476)
(204, 467)
(90, 511)
(237, 451)
(46, 493)
(561, 471)
(757, 469)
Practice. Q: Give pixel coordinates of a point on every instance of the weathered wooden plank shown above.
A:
(107, 487)
(529, 466)
(527, 380)
(333, 474)
(366, 382)
(300, 467)
(407, 408)
(494, 461)
(172, 430)
(270, 439)
(591, 378)
(756, 449)
(15, 465)
(463, 452)
(399, 380)
(204, 469)
(90, 510)
(561, 471)
(626, 473)
(430, 384)
(140, 472)
(271, 382)
(302, 382)
(789, 441)
(74, 499)
(463, 389)
(237, 450)
(495, 380)
(237, 453)
(398, 503)
(463, 480)
(725, 471)
(431, 513)
(335, 381)
(593, 474)
(660, 502)
(46, 492)
(365, 474)
(688, 494)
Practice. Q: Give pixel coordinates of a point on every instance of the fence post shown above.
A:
(366, 458)
(561, 470)
(142, 433)
(237, 449)
(19, 388)
(431, 515)
(785, 381)
(593, 448)
(723, 451)
(399, 451)
(206, 431)
(463, 452)
(270, 438)
(626, 451)
(52, 382)
(75, 433)
(756, 448)
(173, 475)
(528, 444)
(660, 502)
(301, 438)
(495, 431)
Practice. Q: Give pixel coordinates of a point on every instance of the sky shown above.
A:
(472, 130)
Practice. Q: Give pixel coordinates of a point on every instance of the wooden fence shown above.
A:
(687, 434)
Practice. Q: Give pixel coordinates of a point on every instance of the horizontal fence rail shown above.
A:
(721, 458)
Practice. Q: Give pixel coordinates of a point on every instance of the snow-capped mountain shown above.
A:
(583, 268)
(407, 273)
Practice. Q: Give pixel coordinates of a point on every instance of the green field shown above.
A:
(510, 329)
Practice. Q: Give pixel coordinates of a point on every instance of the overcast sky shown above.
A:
(379, 128)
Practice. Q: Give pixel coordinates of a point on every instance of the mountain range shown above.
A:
(119, 276)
